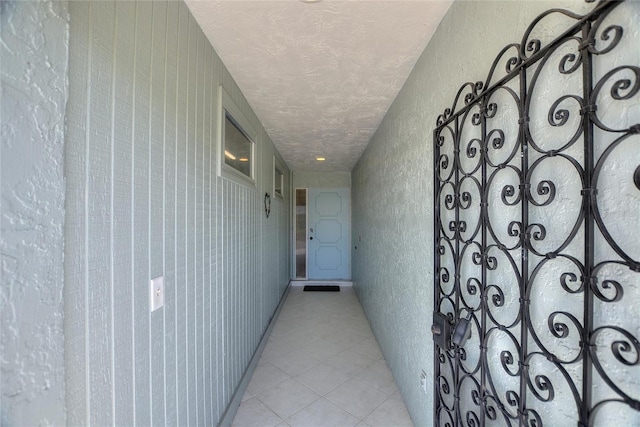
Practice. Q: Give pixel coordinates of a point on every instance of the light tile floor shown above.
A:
(322, 367)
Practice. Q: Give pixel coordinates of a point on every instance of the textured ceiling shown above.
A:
(319, 75)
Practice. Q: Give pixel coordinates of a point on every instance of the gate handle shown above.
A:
(462, 332)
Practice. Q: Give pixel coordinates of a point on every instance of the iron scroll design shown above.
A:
(537, 225)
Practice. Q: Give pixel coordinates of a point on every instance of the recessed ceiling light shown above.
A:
(320, 159)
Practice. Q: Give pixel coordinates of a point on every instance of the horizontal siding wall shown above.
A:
(145, 201)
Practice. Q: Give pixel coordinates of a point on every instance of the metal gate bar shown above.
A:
(595, 266)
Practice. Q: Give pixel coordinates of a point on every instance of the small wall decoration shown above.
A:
(267, 204)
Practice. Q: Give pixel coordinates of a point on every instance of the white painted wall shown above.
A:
(306, 179)
(392, 195)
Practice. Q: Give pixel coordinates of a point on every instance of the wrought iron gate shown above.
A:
(537, 230)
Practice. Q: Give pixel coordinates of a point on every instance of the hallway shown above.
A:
(322, 367)
(150, 224)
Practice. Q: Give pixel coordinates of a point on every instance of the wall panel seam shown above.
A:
(133, 217)
(86, 219)
(111, 214)
(164, 208)
(149, 213)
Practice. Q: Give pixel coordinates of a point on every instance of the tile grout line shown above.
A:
(322, 311)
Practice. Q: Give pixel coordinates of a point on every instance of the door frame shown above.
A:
(347, 236)
(294, 232)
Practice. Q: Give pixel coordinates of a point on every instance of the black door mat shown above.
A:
(320, 288)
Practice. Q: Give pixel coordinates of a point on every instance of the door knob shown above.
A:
(311, 238)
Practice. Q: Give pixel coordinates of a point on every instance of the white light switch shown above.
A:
(156, 289)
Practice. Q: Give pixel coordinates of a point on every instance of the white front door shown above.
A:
(329, 255)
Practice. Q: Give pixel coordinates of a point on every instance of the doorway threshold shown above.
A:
(321, 282)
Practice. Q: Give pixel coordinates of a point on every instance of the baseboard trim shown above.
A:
(232, 408)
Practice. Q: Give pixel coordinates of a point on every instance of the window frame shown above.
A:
(278, 174)
(228, 108)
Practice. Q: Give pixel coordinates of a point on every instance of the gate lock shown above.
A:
(443, 335)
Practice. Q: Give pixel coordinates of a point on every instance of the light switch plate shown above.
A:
(156, 292)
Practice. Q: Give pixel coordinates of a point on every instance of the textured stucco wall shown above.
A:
(34, 60)
(392, 195)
